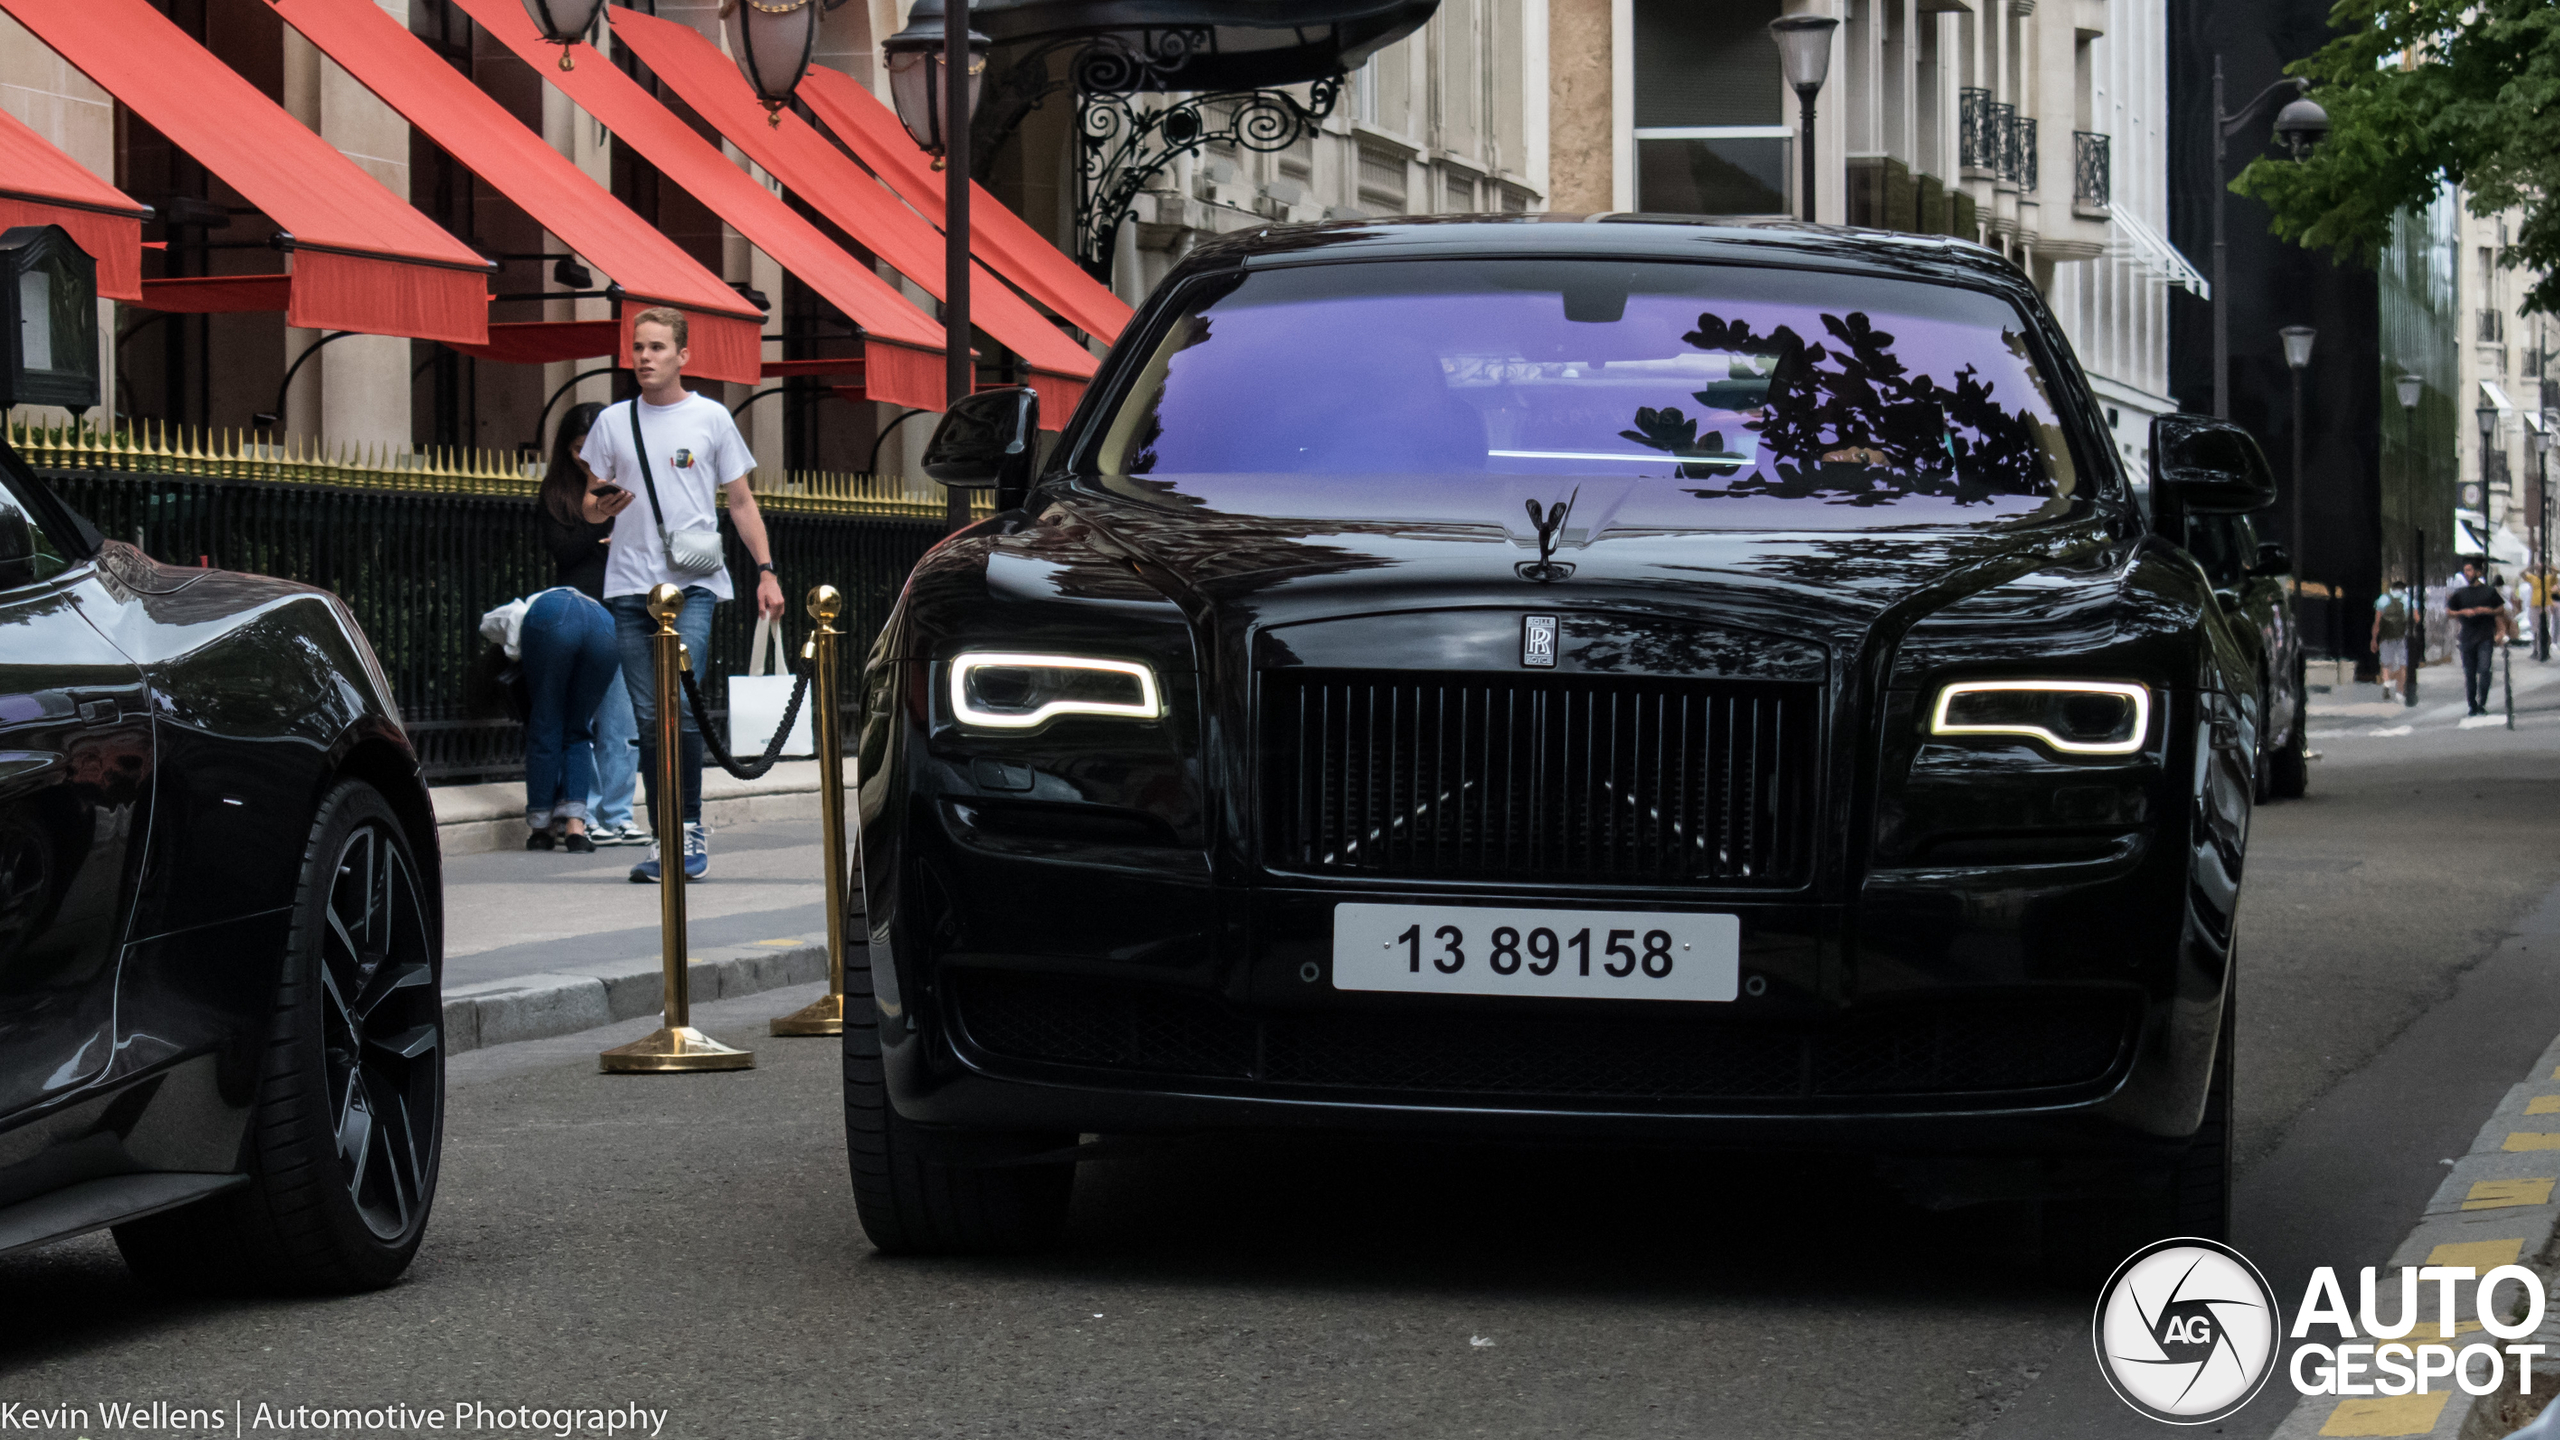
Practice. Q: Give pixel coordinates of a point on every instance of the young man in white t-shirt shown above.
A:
(694, 449)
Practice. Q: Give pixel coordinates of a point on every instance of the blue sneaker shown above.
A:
(697, 857)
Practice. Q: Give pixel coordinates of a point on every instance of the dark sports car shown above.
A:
(2246, 574)
(220, 920)
(1608, 680)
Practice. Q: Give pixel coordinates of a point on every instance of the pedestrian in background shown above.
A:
(578, 552)
(677, 451)
(2475, 606)
(2391, 634)
(568, 646)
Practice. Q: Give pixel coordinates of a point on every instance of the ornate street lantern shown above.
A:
(2301, 125)
(916, 84)
(772, 40)
(2410, 388)
(564, 23)
(49, 304)
(2297, 344)
(1804, 53)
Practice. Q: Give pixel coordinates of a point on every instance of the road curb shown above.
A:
(2481, 1208)
(584, 997)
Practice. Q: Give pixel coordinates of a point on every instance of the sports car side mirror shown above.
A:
(990, 440)
(2273, 560)
(2204, 466)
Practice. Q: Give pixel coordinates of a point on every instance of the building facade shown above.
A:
(2039, 131)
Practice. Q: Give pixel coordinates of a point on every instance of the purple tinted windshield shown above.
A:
(1677, 396)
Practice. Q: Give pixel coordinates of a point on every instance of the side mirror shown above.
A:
(2204, 466)
(990, 440)
(2273, 560)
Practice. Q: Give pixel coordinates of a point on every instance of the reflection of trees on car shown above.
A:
(1849, 424)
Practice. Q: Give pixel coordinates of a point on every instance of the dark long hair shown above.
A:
(564, 483)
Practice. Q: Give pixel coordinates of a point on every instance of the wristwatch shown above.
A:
(765, 565)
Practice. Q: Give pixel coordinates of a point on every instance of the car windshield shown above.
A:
(1667, 396)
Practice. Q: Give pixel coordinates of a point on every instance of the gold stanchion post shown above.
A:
(675, 1045)
(826, 1017)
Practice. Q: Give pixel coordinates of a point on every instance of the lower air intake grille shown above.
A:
(1545, 777)
(1939, 1050)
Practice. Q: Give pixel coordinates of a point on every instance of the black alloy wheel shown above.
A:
(343, 1149)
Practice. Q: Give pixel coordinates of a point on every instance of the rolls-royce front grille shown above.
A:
(1560, 778)
(1988, 1048)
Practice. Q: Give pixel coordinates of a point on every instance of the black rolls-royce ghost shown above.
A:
(1610, 679)
(220, 920)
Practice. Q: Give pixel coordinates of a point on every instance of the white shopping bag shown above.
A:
(758, 698)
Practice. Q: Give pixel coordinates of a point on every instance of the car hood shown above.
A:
(1829, 586)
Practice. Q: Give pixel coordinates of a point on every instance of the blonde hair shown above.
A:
(673, 319)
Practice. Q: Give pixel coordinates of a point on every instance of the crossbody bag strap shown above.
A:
(648, 476)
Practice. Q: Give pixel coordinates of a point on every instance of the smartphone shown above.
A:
(607, 491)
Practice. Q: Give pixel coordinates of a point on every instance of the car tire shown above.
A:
(2086, 1239)
(912, 1204)
(2289, 769)
(346, 1136)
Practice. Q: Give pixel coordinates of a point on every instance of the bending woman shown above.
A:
(569, 652)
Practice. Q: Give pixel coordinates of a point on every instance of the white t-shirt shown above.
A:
(694, 449)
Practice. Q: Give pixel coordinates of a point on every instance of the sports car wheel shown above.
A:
(913, 1205)
(342, 1150)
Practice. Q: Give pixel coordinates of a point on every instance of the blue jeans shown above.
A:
(569, 658)
(609, 804)
(633, 629)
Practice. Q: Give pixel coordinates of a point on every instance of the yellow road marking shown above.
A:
(2543, 1105)
(2497, 1194)
(2481, 1255)
(2532, 1140)
(795, 942)
(2387, 1415)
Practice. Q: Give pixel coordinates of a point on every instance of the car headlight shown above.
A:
(1016, 692)
(2076, 717)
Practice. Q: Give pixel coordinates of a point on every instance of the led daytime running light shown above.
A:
(1148, 706)
(2139, 696)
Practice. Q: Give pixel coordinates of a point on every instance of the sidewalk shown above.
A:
(478, 819)
(2350, 708)
(542, 943)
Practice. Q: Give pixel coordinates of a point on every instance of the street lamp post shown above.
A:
(2410, 388)
(1804, 52)
(2297, 358)
(2299, 125)
(922, 60)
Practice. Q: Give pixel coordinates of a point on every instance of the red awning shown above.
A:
(362, 258)
(219, 294)
(724, 331)
(1000, 239)
(822, 176)
(902, 344)
(40, 185)
(540, 342)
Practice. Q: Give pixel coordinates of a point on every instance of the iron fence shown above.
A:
(2022, 151)
(420, 568)
(2092, 168)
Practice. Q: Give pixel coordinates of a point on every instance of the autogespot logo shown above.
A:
(2186, 1331)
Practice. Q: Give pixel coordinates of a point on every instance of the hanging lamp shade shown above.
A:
(772, 40)
(914, 57)
(564, 22)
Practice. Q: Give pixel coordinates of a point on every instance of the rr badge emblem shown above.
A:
(1538, 642)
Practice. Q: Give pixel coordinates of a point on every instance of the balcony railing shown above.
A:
(2004, 140)
(2092, 169)
(1976, 141)
(2022, 152)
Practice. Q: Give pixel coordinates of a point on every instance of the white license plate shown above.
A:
(1505, 950)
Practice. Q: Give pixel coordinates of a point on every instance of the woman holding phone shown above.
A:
(570, 658)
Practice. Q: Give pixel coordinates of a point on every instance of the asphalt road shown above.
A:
(687, 1243)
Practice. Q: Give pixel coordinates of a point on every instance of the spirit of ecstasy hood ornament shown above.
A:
(1548, 521)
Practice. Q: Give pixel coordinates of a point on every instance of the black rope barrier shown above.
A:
(719, 752)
